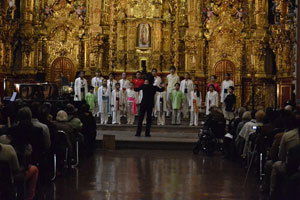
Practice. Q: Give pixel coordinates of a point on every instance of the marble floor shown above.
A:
(152, 175)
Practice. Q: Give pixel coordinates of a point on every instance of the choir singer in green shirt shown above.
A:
(177, 98)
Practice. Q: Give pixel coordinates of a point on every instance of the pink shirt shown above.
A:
(217, 87)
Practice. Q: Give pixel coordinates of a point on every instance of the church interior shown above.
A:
(254, 40)
(46, 42)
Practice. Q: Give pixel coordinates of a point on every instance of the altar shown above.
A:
(252, 40)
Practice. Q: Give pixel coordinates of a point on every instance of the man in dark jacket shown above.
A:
(147, 103)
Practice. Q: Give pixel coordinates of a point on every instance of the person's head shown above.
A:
(62, 116)
(231, 89)
(246, 116)
(241, 111)
(227, 76)
(138, 75)
(98, 73)
(35, 109)
(186, 76)
(196, 87)
(131, 86)
(25, 115)
(149, 78)
(259, 116)
(123, 75)
(213, 78)
(81, 74)
(91, 89)
(288, 108)
(70, 109)
(117, 86)
(154, 72)
(146, 82)
(111, 76)
(85, 108)
(45, 111)
(177, 86)
(172, 70)
(212, 88)
(104, 82)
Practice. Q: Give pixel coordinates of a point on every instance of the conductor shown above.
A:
(147, 103)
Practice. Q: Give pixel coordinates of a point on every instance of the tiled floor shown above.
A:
(153, 175)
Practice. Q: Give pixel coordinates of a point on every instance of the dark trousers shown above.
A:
(143, 110)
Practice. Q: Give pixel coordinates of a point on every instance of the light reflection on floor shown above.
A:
(153, 175)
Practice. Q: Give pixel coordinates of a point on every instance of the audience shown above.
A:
(35, 109)
(33, 135)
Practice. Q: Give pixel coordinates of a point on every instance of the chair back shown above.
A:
(6, 181)
(62, 139)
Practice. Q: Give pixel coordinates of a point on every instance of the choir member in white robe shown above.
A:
(157, 82)
(186, 87)
(161, 107)
(80, 87)
(195, 105)
(132, 98)
(172, 79)
(212, 98)
(225, 89)
(111, 85)
(116, 106)
(104, 99)
(96, 83)
(124, 85)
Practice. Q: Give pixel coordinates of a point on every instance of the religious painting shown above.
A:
(144, 36)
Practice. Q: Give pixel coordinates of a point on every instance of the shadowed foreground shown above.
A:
(152, 175)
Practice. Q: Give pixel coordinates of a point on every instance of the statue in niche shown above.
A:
(144, 36)
(275, 12)
(80, 12)
(209, 14)
(240, 14)
(48, 11)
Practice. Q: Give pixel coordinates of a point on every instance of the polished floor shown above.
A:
(152, 175)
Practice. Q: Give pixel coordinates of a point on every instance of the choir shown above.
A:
(116, 99)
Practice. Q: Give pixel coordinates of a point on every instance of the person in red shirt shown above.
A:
(213, 82)
(138, 81)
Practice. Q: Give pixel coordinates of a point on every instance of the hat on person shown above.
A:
(70, 109)
(62, 116)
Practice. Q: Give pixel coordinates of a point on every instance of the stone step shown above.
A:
(159, 140)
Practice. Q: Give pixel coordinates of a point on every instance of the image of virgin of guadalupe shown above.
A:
(144, 36)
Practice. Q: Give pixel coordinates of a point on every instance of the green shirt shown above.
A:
(91, 100)
(177, 98)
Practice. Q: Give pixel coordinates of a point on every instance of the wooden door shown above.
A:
(222, 67)
(62, 65)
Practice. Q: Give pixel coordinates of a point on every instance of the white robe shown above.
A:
(111, 85)
(79, 83)
(172, 80)
(225, 86)
(212, 99)
(101, 93)
(124, 84)
(157, 106)
(189, 85)
(157, 81)
(96, 83)
(114, 96)
(198, 101)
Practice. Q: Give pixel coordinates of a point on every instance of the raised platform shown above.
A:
(162, 137)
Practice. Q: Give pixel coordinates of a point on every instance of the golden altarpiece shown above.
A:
(251, 39)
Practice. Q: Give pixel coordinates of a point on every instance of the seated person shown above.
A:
(30, 174)
(248, 129)
(27, 140)
(216, 122)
